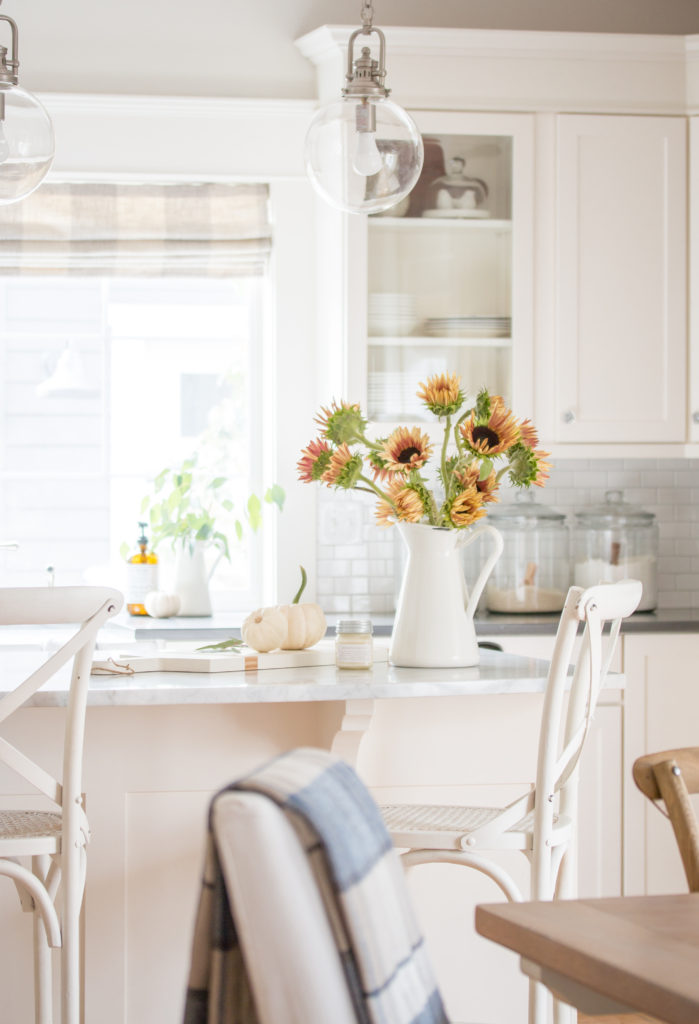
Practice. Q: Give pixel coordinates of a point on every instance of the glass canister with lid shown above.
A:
(533, 572)
(614, 541)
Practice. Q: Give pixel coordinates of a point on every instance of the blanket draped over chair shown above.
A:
(361, 879)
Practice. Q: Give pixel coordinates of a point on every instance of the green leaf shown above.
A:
(254, 511)
(218, 482)
(486, 469)
(275, 495)
(226, 645)
(239, 529)
(124, 550)
(144, 504)
(160, 479)
(222, 541)
(227, 504)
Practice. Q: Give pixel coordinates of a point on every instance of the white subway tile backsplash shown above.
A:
(365, 574)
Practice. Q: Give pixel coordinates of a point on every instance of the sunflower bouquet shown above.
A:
(481, 445)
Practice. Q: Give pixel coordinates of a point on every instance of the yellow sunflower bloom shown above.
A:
(466, 508)
(405, 450)
(442, 393)
(401, 502)
(493, 437)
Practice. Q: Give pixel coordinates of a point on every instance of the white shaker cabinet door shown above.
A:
(661, 713)
(694, 279)
(620, 319)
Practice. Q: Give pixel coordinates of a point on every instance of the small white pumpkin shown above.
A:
(264, 629)
(305, 622)
(161, 605)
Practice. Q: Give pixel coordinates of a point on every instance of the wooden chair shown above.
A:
(541, 823)
(668, 778)
(43, 851)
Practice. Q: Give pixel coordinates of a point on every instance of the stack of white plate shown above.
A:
(391, 313)
(470, 326)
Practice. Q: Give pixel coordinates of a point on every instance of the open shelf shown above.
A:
(415, 341)
(450, 224)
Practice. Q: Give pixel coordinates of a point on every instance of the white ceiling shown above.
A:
(246, 49)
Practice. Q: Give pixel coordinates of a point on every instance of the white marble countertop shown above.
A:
(497, 673)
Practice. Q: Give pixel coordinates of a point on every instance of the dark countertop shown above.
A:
(219, 627)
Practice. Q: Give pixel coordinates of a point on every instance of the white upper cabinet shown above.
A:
(694, 280)
(448, 282)
(582, 260)
(619, 281)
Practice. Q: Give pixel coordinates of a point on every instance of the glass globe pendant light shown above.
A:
(26, 133)
(364, 153)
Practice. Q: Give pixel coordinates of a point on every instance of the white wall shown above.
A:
(246, 49)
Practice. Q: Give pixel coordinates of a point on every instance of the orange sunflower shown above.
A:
(442, 393)
(314, 461)
(344, 468)
(341, 423)
(401, 502)
(466, 508)
(405, 449)
(528, 434)
(492, 436)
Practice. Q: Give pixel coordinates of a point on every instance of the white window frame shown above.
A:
(140, 138)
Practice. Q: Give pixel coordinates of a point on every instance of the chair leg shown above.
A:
(73, 883)
(538, 1003)
(43, 975)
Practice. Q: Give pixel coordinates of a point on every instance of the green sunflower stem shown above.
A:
(376, 490)
(447, 482)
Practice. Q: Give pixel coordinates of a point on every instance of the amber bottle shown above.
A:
(141, 575)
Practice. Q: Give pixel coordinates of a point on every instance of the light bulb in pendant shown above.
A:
(367, 159)
(4, 144)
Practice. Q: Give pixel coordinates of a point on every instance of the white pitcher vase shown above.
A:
(434, 620)
(192, 580)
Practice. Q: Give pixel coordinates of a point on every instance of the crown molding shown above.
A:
(492, 69)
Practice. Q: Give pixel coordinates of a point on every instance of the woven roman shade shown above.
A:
(154, 229)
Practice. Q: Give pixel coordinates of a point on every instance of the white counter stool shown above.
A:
(541, 823)
(53, 841)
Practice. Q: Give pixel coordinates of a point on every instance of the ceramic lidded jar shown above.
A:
(615, 541)
(533, 573)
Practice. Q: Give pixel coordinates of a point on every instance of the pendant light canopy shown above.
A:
(26, 133)
(364, 153)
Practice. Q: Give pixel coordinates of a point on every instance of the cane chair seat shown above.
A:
(18, 825)
(439, 827)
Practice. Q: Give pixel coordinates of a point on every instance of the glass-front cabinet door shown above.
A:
(447, 282)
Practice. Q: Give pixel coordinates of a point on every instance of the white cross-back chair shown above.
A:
(43, 852)
(542, 822)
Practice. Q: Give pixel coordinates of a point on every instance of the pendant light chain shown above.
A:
(367, 15)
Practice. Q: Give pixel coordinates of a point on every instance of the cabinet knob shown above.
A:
(568, 416)
(695, 416)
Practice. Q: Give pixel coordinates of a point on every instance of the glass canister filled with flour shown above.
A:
(617, 541)
(533, 572)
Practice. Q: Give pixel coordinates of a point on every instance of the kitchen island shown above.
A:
(158, 745)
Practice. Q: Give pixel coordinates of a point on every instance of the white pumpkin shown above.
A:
(305, 622)
(161, 605)
(264, 629)
(305, 625)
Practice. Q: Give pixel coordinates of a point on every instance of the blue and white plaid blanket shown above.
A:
(346, 842)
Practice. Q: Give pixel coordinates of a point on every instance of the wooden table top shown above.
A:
(640, 951)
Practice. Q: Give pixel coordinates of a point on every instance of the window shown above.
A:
(166, 315)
